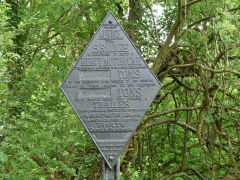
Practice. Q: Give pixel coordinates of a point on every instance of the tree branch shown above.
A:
(233, 9)
(168, 120)
(170, 111)
(185, 168)
(184, 85)
(209, 17)
(146, 27)
(201, 66)
(120, 10)
(191, 3)
(166, 46)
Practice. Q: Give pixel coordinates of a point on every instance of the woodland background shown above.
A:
(191, 130)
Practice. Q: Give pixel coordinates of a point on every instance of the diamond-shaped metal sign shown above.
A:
(110, 88)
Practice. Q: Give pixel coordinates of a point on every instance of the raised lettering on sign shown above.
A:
(129, 92)
(110, 88)
(128, 74)
(109, 34)
(110, 47)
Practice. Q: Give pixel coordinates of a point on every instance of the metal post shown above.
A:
(110, 174)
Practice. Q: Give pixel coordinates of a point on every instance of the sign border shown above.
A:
(110, 13)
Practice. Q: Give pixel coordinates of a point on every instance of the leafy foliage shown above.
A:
(191, 131)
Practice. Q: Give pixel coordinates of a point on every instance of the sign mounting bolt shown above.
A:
(110, 158)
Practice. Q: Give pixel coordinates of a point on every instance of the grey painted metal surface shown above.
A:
(110, 174)
(110, 88)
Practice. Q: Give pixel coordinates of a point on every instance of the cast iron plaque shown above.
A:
(110, 88)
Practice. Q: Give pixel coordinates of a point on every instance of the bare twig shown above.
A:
(191, 3)
(170, 111)
(163, 121)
